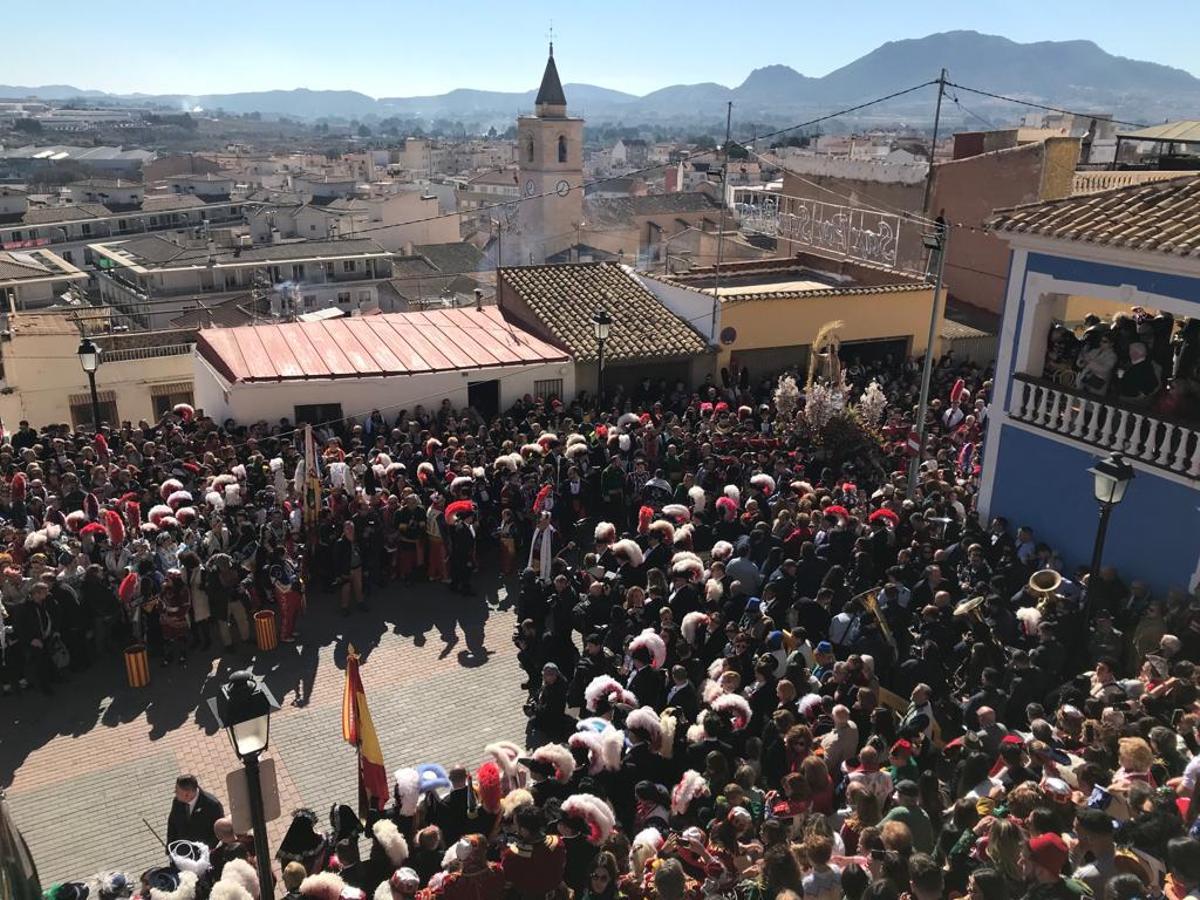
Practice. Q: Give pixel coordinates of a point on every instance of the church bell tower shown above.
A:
(550, 153)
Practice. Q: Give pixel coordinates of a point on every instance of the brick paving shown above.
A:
(83, 767)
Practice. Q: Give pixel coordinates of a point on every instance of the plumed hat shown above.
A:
(594, 814)
(390, 841)
(650, 642)
(629, 550)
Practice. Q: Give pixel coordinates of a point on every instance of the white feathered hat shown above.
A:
(558, 756)
(650, 641)
(506, 754)
(390, 841)
(646, 721)
(691, 786)
(607, 689)
(407, 790)
(736, 707)
(606, 532)
(603, 747)
(763, 482)
(691, 625)
(630, 550)
(677, 512)
(595, 813)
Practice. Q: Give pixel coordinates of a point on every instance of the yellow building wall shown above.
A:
(41, 372)
(764, 324)
(1079, 306)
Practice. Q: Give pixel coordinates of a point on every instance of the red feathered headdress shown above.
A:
(101, 443)
(835, 510)
(93, 528)
(645, 516)
(956, 391)
(17, 488)
(133, 515)
(602, 431)
(539, 502)
(727, 507)
(184, 411)
(885, 515)
(458, 508)
(490, 795)
(115, 527)
(129, 589)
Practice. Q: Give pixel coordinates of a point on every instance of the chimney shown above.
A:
(478, 299)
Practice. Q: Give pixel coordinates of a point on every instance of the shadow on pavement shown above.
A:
(100, 696)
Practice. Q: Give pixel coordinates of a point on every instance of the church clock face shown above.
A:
(562, 188)
(530, 188)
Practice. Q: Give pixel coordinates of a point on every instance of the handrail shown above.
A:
(1107, 401)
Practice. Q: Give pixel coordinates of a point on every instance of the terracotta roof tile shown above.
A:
(564, 298)
(1162, 217)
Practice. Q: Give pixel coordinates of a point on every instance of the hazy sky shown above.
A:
(396, 48)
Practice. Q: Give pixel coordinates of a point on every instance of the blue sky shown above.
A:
(399, 49)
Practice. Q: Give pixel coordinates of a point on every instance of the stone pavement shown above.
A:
(84, 767)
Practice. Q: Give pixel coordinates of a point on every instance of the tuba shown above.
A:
(871, 603)
(1044, 584)
(970, 609)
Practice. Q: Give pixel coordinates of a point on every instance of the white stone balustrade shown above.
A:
(1166, 444)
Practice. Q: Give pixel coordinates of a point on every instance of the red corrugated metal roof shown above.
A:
(362, 347)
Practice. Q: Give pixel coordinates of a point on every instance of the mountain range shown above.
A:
(1072, 74)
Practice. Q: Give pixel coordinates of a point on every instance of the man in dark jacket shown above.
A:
(193, 814)
(462, 552)
(646, 682)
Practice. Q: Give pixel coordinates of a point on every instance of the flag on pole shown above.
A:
(308, 480)
(359, 730)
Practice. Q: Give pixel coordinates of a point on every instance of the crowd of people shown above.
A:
(1136, 357)
(755, 668)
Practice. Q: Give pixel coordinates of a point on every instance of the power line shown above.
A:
(969, 112)
(1057, 109)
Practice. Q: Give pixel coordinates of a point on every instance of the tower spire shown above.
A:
(551, 101)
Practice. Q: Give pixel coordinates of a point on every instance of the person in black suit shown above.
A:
(646, 682)
(683, 694)
(452, 813)
(193, 814)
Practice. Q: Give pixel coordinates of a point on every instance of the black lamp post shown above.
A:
(89, 358)
(1112, 477)
(601, 323)
(244, 708)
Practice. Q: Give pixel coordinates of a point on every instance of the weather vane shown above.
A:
(550, 37)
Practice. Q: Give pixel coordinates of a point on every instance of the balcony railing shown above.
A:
(152, 352)
(1156, 440)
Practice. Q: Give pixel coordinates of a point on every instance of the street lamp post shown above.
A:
(89, 358)
(1111, 478)
(244, 708)
(601, 323)
(935, 242)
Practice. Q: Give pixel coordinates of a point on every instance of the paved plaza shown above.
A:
(84, 767)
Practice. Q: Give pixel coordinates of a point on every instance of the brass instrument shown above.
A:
(871, 603)
(1044, 584)
(970, 608)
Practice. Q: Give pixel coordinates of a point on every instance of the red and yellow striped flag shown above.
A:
(359, 730)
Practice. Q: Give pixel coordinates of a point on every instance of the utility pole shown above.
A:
(936, 242)
(716, 303)
(937, 120)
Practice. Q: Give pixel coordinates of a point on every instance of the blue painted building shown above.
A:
(1101, 253)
